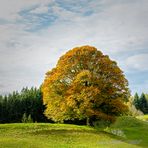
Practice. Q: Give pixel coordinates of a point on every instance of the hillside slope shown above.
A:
(43, 135)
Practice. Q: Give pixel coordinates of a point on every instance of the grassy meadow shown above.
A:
(123, 134)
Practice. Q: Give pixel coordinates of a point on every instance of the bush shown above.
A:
(26, 119)
(101, 124)
(29, 120)
(133, 111)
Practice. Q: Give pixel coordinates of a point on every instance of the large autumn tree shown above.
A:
(85, 84)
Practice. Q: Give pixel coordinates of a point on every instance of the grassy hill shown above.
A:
(43, 135)
(143, 117)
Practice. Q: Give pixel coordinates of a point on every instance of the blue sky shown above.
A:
(35, 33)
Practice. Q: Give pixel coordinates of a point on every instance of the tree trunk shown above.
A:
(87, 121)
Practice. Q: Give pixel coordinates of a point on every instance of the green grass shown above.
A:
(43, 135)
(132, 129)
(143, 117)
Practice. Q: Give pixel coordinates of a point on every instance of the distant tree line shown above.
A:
(16, 104)
(141, 102)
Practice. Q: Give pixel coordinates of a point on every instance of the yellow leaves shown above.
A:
(70, 101)
(118, 106)
(83, 75)
(82, 80)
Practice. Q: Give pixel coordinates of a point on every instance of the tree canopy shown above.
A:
(85, 84)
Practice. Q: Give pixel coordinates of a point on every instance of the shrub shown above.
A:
(101, 124)
(133, 111)
(26, 119)
(29, 120)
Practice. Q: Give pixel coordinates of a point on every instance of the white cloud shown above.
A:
(138, 62)
(40, 10)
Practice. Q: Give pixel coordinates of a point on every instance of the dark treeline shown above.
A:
(141, 102)
(15, 105)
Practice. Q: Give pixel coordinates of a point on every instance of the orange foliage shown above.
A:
(83, 84)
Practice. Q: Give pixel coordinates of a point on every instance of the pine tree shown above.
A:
(143, 105)
(136, 100)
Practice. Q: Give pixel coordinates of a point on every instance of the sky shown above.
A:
(35, 33)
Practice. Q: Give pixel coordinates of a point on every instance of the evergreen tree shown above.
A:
(136, 100)
(143, 105)
(14, 105)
